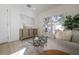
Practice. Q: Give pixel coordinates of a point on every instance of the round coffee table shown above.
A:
(53, 52)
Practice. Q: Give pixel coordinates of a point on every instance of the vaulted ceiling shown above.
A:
(39, 8)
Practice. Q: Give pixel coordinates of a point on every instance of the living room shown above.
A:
(22, 25)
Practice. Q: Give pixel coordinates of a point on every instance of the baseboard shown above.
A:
(3, 43)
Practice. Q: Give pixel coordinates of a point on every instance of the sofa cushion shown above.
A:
(75, 36)
(59, 35)
(64, 35)
(67, 35)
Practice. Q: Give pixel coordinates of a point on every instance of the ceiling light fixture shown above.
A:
(29, 5)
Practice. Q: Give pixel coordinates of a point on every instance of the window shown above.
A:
(51, 24)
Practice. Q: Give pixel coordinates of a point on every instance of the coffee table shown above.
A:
(53, 52)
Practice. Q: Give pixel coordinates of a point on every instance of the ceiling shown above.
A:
(39, 8)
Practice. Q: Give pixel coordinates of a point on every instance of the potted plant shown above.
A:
(72, 22)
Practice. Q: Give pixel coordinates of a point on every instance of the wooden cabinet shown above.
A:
(35, 32)
(28, 33)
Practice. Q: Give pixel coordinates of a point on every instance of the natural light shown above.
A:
(20, 52)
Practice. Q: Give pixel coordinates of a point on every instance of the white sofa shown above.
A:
(68, 35)
(63, 35)
(64, 43)
(66, 46)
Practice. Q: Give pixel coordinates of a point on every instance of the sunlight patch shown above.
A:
(20, 52)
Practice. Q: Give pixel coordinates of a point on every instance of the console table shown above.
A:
(27, 33)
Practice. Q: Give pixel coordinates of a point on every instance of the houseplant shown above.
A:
(72, 22)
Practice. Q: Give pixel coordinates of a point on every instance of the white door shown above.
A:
(3, 26)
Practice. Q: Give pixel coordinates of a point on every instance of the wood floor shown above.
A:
(11, 47)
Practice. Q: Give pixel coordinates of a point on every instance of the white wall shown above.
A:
(14, 20)
(61, 10)
(3, 25)
(27, 21)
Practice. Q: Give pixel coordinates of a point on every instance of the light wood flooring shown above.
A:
(12, 47)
